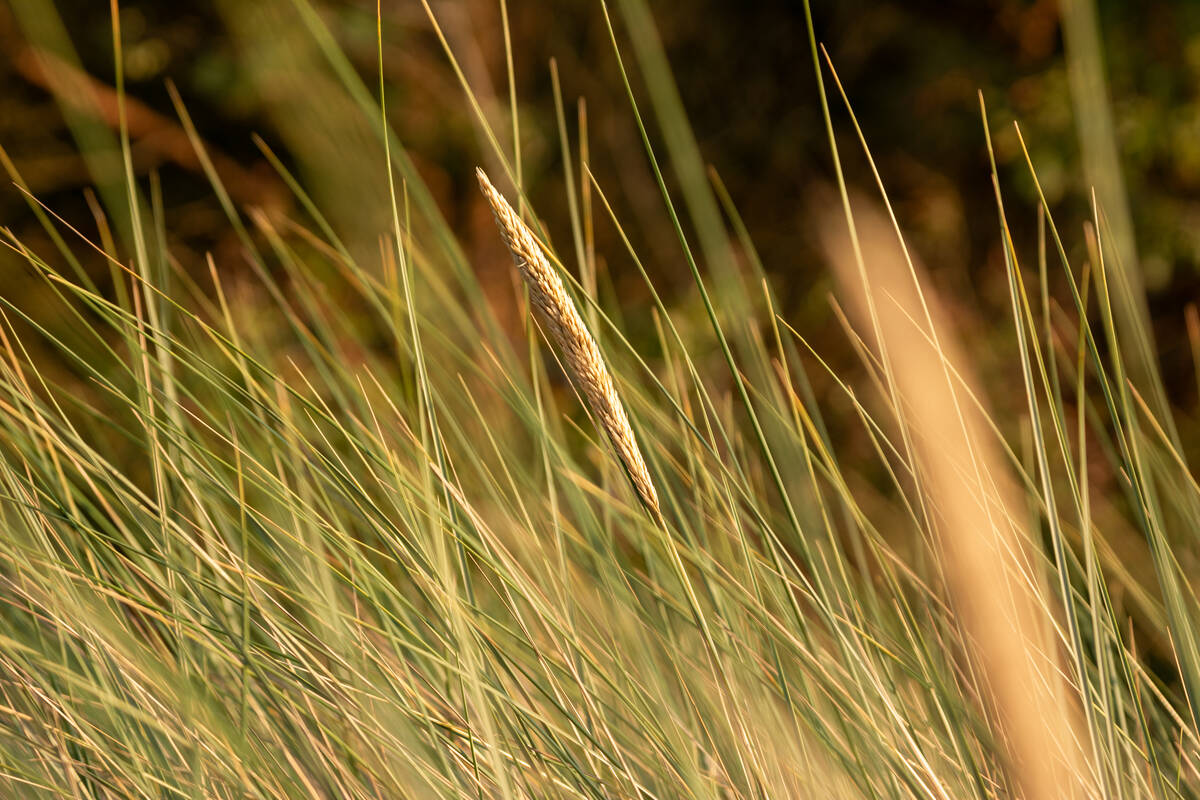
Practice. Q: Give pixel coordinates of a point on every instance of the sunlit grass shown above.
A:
(311, 525)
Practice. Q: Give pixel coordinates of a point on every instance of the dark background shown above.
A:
(912, 69)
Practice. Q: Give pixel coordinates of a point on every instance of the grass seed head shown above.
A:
(580, 351)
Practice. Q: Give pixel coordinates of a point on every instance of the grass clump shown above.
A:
(309, 524)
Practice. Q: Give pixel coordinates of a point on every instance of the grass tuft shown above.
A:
(310, 521)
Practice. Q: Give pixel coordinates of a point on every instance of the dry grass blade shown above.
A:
(580, 351)
(989, 556)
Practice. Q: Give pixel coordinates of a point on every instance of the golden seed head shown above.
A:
(580, 352)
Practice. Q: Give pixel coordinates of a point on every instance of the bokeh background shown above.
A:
(912, 70)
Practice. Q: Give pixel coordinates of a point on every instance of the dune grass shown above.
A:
(327, 531)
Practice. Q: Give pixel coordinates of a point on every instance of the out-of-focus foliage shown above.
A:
(912, 69)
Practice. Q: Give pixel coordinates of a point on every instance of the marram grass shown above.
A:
(583, 358)
(306, 523)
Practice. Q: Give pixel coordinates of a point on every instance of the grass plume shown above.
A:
(581, 354)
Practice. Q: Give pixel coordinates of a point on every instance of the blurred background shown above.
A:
(912, 69)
